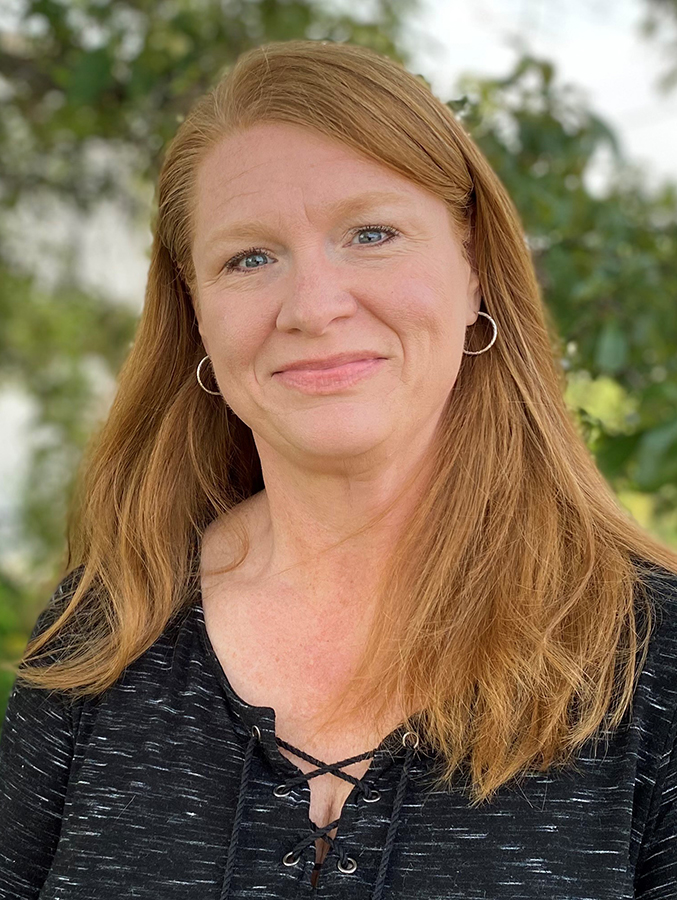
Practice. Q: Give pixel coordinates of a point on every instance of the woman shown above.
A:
(348, 607)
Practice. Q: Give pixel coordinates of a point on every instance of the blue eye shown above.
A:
(245, 254)
(231, 265)
(386, 229)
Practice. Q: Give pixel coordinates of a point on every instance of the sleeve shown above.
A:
(656, 876)
(36, 748)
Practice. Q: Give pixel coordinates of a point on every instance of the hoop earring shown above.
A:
(475, 352)
(199, 366)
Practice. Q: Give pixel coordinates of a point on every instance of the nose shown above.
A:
(315, 295)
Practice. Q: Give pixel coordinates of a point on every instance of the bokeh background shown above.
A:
(574, 104)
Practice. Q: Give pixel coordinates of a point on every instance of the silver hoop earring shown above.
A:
(490, 344)
(199, 366)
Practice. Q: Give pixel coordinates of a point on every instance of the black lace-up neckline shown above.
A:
(370, 795)
(346, 863)
(249, 716)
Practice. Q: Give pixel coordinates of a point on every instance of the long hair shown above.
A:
(511, 617)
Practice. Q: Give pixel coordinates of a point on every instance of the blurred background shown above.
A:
(574, 103)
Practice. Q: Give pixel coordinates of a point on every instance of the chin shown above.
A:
(340, 436)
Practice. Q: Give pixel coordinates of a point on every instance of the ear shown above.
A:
(205, 342)
(198, 316)
(474, 286)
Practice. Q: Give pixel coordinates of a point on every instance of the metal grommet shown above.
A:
(281, 793)
(373, 797)
(257, 731)
(350, 866)
(406, 735)
(289, 859)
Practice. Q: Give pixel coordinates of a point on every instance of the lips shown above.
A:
(330, 380)
(329, 362)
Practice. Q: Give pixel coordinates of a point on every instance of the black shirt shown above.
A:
(169, 786)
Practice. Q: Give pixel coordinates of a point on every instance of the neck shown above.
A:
(328, 536)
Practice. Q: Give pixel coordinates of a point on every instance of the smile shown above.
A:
(329, 381)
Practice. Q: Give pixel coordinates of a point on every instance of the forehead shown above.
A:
(274, 170)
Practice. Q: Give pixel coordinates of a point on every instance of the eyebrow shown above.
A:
(257, 228)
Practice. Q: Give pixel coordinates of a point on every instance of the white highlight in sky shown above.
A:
(595, 45)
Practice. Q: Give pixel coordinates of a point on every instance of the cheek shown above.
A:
(428, 315)
(428, 307)
(234, 331)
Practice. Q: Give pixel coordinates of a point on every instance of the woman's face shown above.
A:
(350, 258)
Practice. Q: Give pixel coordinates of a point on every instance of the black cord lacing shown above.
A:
(345, 863)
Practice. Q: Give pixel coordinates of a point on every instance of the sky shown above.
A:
(594, 44)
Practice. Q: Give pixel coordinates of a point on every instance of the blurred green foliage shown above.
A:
(606, 261)
(13, 631)
(92, 91)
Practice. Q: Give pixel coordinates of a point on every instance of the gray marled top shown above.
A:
(161, 789)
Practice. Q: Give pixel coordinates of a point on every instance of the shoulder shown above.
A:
(660, 585)
(57, 602)
(31, 705)
(657, 682)
(149, 675)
